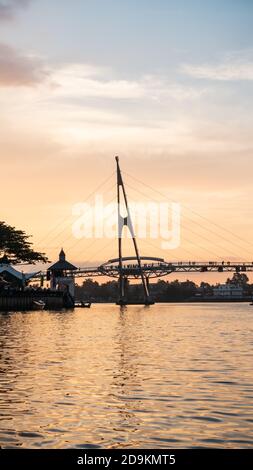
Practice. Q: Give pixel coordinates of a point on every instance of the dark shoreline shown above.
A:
(22, 301)
(188, 301)
(56, 302)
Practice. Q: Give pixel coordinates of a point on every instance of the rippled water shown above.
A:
(172, 375)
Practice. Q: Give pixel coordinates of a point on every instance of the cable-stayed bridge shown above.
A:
(145, 268)
(157, 267)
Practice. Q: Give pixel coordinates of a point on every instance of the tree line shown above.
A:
(160, 291)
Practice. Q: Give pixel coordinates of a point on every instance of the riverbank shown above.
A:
(24, 300)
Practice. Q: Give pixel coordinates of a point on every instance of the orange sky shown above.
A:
(184, 130)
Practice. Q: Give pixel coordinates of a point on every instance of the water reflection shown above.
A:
(126, 378)
(169, 375)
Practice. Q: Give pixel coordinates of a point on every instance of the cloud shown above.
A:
(237, 69)
(9, 7)
(85, 81)
(19, 70)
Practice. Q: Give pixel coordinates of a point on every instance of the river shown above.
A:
(165, 376)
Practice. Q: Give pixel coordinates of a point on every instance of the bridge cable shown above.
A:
(203, 217)
(62, 220)
(190, 230)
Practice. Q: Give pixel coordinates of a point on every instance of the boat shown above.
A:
(39, 304)
(123, 303)
(82, 304)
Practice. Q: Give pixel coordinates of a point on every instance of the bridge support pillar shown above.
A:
(127, 221)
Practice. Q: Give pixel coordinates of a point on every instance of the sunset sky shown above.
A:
(165, 84)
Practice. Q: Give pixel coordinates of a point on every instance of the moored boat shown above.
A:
(82, 304)
(39, 304)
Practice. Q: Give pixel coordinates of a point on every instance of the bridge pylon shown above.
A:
(127, 221)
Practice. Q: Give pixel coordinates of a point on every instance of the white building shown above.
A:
(59, 278)
(228, 291)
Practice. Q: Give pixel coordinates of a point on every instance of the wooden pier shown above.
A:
(22, 301)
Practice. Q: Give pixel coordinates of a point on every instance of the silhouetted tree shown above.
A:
(238, 279)
(206, 288)
(16, 248)
(93, 290)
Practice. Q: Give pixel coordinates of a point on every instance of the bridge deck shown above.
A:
(163, 269)
(160, 269)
